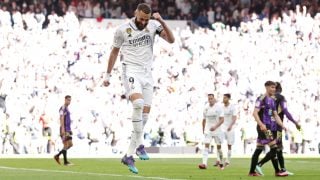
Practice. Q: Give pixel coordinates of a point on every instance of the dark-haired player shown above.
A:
(136, 39)
(65, 131)
(281, 105)
(267, 119)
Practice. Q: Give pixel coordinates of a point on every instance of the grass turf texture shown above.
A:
(157, 168)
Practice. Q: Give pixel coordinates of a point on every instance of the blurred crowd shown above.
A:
(39, 67)
(203, 13)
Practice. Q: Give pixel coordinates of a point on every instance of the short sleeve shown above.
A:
(158, 27)
(118, 38)
(258, 103)
(205, 113)
(61, 111)
(221, 112)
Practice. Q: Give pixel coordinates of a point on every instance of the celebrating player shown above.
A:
(136, 39)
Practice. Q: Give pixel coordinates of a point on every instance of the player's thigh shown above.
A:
(207, 138)
(218, 138)
(230, 136)
(147, 92)
(132, 85)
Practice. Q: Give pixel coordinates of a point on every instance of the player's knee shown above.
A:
(137, 110)
(138, 104)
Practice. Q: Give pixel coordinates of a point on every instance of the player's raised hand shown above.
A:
(157, 16)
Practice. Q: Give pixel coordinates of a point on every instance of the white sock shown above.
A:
(138, 130)
(145, 117)
(205, 154)
(229, 156)
(219, 155)
(132, 147)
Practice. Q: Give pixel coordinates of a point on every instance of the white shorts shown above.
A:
(229, 136)
(218, 138)
(141, 83)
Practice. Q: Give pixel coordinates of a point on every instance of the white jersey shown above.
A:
(137, 46)
(212, 114)
(229, 112)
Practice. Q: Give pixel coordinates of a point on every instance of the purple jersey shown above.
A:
(267, 106)
(64, 111)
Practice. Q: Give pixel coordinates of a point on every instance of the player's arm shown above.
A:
(258, 120)
(284, 108)
(62, 122)
(117, 43)
(278, 120)
(166, 33)
(203, 125)
(234, 118)
(221, 119)
(112, 60)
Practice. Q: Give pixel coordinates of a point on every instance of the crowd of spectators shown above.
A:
(203, 13)
(39, 67)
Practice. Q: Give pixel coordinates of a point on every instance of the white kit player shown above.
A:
(230, 117)
(135, 39)
(213, 118)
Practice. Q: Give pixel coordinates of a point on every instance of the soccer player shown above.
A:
(267, 118)
(281, 106)
(65, 131)
(136, 39)
(230, 117)
(211, 128)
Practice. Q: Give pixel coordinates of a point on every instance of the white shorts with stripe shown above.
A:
(138, 82)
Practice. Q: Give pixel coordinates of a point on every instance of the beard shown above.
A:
(139, 25)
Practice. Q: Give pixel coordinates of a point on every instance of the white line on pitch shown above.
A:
(84, 173)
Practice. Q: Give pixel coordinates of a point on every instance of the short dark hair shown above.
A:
(144, 7)
(278, 87)
(269, 83)
(210, 94)
(67, 97)
(227, 95)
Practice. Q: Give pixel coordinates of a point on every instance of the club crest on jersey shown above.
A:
(129, 31)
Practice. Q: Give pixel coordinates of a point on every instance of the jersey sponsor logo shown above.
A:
(140, 41)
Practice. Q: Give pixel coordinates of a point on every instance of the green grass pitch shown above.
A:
(156, 168)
